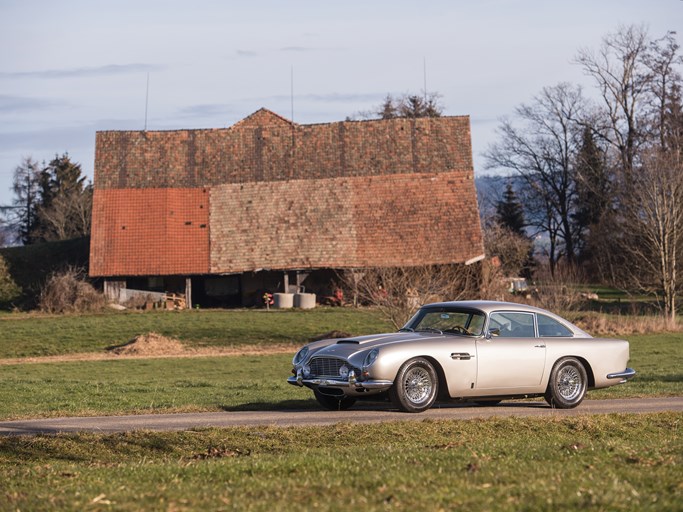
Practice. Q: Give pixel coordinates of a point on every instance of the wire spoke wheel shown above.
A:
(567, 385)
(416, 386)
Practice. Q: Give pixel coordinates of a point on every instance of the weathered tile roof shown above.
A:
(269, 193)
(150, 232)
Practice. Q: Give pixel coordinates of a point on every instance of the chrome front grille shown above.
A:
(329, 367)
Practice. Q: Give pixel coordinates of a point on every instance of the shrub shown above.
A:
(67, 291)
(9, 291)
(397, 292)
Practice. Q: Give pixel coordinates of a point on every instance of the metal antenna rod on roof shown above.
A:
(424, 72)
(291, 90)
(146, 101)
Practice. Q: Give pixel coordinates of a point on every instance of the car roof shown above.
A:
(489, 306)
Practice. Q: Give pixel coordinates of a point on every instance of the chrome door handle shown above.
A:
(539, 346)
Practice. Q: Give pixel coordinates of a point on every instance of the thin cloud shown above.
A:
(11, 104)
(246, 53)
(333, 97)
(110, 69)
(296, 49)
(206, 110)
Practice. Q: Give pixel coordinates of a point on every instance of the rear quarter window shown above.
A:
(551, 328)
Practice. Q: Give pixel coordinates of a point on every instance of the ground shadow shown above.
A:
(379, 405)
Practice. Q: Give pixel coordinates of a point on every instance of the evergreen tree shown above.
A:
(9, 291)
(510, 213)
(592, 185)
(65, 201)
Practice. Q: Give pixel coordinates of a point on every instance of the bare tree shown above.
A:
(26, 188)
(66, 201)
(664, 100)
(406, 105)
(68, 215)
(622, 77)
(542, 151)
(652, 233)
(511, 248)
(397, 292)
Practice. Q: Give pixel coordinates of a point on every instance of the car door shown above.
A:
(512, 357)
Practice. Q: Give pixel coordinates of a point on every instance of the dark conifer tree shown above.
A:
(510, 212)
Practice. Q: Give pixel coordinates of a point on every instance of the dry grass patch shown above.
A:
(622, 325)
(68, 292)
(150, 344)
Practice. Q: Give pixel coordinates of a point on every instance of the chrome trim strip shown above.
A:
(628, 373)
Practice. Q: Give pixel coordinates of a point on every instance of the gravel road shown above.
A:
(363, 413)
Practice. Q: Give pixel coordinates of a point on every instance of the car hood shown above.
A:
(346, 347)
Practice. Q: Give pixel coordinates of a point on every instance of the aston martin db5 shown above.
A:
(477, 351)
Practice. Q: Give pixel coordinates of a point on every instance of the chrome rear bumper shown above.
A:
(627, 374)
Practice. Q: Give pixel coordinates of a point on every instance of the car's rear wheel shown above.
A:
(334, 403)
(416, 386)
(567, 385)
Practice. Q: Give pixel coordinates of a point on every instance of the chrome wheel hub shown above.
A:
(418, 385)
(569, 383)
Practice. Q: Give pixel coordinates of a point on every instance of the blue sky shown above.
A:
(70, 68)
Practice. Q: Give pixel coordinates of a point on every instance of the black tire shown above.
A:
(567, 385)
(333, 403)
(416, 386)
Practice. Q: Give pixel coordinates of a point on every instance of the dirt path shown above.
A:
(154, 346)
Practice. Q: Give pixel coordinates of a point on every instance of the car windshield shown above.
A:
(447, 321)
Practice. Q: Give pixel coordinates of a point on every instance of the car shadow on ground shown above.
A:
(368, 405)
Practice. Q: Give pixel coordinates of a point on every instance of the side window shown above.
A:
(549, 327)
(513, 325)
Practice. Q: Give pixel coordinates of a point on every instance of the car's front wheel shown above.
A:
(416, 386)
(567, 384)
(334, 403)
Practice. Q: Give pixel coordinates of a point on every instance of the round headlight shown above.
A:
(300, 356)
(371, 357)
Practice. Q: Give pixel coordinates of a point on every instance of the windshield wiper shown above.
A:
(430, 329)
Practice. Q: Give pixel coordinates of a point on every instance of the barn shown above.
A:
(220, 215)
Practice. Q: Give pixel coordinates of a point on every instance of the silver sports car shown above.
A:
(478, 351)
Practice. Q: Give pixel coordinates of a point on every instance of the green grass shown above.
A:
(658, 359)
(149, 386)
(611, 462)
(241, 383)
(25, 335)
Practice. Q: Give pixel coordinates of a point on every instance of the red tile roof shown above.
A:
(397, 220)
(150, 232)
(269, 193)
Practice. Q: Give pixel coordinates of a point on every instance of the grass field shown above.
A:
(613, 462)
(25, 335)
(240, 383)
(609, 462)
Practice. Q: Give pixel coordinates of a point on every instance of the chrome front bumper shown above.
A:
(351, 382)
(627, 374)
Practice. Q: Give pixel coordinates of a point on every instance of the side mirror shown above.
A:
(491, 333)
